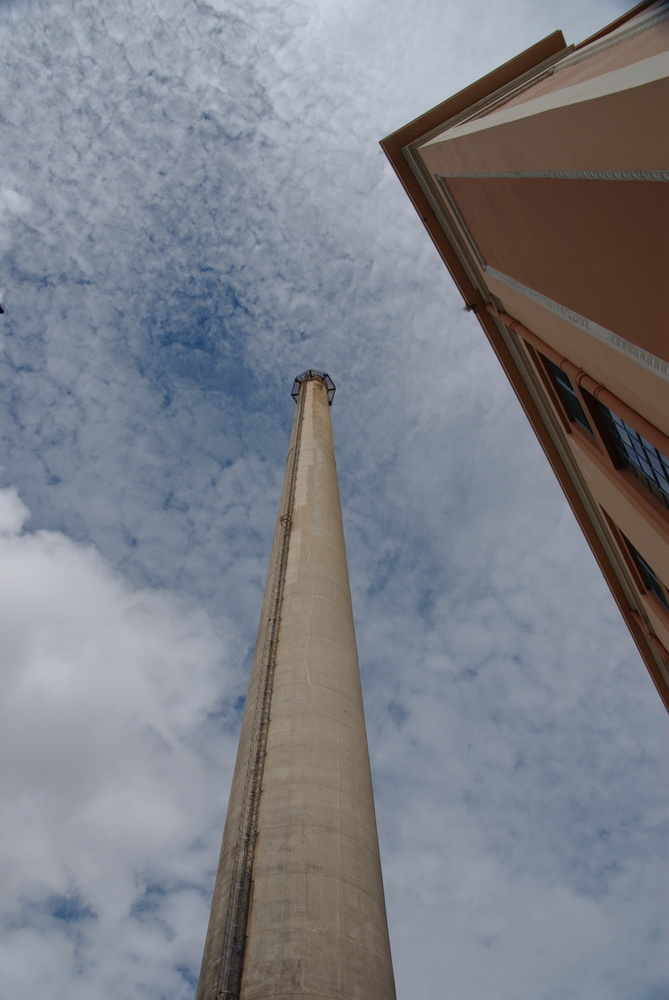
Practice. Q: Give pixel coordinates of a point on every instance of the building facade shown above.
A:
(298, 907)
(545, 188)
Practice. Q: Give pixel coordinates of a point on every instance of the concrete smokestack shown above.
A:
(298, 907)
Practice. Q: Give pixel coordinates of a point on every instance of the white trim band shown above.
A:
(656, 365)
(652, 176)
(626, 78)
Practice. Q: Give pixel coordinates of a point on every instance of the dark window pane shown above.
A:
(648, 465)
(568, 395)
(649, 576)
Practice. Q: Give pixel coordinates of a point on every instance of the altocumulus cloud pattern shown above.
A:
(193, 209)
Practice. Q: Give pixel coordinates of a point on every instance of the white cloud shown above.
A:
(13, 512)
(12, 204)
(107, 695)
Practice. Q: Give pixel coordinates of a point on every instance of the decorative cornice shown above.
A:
(624, 36)
(652, 176)
(566, 62)
(656, 365)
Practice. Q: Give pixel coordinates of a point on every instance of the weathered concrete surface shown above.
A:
(317, 924)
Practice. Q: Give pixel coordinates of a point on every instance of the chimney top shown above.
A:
(307, 376)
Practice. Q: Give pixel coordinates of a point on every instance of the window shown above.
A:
(649, 577)
(624, 446)
(644, 576)
(643, 460)
(567, 395)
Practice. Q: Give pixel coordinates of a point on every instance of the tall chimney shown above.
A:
(298, 908)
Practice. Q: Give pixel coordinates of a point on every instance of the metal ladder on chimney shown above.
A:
(239, 901)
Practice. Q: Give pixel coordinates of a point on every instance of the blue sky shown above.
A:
(193, 209)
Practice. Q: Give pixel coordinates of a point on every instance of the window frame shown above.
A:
(570, 397)
(622, 459)
(599, 442)
(570, 426)
(637, 572)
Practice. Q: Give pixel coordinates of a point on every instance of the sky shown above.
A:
(193, 209)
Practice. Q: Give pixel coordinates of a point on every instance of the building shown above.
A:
(545, 188)
(298, 907)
